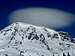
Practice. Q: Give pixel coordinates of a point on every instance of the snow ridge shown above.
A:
(20, 39)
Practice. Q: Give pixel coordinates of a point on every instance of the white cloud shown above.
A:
(43, 16)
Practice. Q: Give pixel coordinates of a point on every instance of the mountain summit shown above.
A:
(20, 39)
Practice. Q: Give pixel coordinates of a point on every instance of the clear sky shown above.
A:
(8, 6)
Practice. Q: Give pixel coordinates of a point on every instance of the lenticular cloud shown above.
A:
(43, 16)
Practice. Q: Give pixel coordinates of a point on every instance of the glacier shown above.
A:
(22, 39)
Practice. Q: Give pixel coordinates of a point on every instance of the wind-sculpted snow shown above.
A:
(20, 39)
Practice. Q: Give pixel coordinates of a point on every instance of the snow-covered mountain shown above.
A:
(21, 39)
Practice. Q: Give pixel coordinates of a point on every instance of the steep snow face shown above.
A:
(20, 39)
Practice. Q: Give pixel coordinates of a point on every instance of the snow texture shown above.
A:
(21, 39)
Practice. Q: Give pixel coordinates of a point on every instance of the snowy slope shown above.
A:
(20, 39)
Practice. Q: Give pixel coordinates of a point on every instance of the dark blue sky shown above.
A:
(7, 6)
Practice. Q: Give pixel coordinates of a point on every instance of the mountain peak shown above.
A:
(29, 40)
